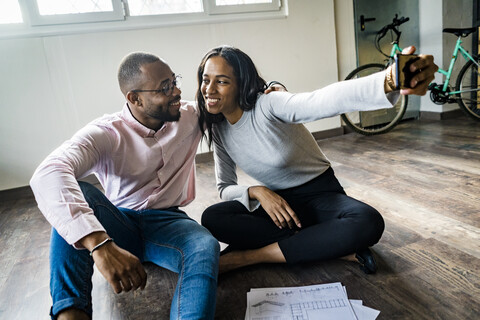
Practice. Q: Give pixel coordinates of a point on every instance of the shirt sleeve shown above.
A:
(362, 94)
(226, 175)
(56, 189)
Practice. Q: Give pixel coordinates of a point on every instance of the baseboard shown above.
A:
(204, 157)
(16, 193)
(429, 115)
(318, 135)
(26, 192)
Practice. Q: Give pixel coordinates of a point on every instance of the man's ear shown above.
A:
(133, 98)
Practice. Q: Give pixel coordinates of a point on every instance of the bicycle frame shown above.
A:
(448, 73)
(395, 49)
(466, 95)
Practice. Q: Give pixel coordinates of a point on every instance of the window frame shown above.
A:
(30, 9)
(211, 7)
(27, 30)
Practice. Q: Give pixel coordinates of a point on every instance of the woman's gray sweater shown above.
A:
(271, 144)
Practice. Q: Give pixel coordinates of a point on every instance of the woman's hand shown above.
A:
(424, 69)
(275, 206)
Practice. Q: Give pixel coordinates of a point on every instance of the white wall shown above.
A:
(52, 86)
(430, 24)
(434, 17)
(345, 33)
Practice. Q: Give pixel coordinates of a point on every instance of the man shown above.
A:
(143, 157)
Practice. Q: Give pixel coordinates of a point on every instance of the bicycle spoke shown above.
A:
(468, 96)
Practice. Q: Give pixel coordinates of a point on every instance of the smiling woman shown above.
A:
(299, 212)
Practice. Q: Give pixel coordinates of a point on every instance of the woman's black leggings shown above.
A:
(333, 224)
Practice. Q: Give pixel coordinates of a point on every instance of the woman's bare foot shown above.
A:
(350, 257)
(237, 259)
(232, 260)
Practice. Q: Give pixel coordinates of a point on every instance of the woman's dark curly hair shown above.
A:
(248, 80)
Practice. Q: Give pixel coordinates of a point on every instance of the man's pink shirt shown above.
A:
(137, 167)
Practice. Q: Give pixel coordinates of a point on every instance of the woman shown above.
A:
(300, 211)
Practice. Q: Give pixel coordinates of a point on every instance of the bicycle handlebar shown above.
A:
(393, 27)
(397, 22)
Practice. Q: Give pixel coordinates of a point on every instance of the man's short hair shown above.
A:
(129, 73)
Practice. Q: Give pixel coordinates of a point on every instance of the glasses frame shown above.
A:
(167, 90)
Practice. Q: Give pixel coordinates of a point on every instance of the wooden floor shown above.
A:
(424, 177)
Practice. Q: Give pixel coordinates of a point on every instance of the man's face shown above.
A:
(155, 107)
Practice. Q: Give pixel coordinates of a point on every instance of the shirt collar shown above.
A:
(134, 124)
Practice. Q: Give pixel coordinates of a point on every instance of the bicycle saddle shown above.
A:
(460, 32)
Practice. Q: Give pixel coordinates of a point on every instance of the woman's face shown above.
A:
(219, 89)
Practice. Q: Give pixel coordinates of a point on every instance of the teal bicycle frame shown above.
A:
(448, 73)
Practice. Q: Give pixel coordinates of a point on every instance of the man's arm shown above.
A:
(61, 200)
(56, 189)
(275, 86)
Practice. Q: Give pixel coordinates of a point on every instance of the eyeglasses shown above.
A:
(167, 89)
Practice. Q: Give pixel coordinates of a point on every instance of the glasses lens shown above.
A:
(168, 89)
(178, 81)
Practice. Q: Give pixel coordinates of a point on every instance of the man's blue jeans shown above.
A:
(168, 238)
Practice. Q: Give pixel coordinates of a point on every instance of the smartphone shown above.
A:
(403, 75)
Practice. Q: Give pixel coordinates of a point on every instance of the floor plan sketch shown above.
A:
(266, 306)
(317, 302)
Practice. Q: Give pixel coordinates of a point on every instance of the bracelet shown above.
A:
(100, 244)
(390, 82)
(271, 83)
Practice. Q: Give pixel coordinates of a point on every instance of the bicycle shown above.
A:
(466, 93)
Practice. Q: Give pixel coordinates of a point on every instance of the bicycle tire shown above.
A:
(377, 121)
(468, 78)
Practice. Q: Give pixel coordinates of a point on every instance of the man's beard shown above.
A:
(168, 117)
(164, 115)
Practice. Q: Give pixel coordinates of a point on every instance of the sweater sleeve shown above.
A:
(362, 94)
(226, 175)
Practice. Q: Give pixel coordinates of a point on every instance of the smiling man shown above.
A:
(143, 156)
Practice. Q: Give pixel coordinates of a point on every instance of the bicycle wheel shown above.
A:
(377, 121)
(467, 82)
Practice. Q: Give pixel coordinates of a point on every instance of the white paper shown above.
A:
(364, 313)
(317, 302)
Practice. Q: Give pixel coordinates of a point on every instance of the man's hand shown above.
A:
(122, 269)
(426, 69)
(275, 86)
(275, 206)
